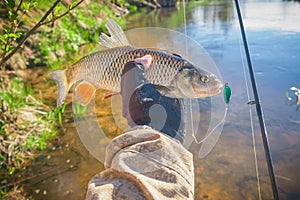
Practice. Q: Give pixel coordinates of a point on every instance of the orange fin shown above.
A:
(84, 92)
(146, 60)
(107, 95)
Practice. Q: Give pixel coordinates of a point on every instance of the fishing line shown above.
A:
(259, 110)
(251, 123)
(190, 100)
(212, 131)
(186, 54)
(227, 95)
(185, 30)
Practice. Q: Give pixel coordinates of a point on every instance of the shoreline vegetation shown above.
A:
(35, 34)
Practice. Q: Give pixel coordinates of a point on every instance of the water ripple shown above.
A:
(282, 69)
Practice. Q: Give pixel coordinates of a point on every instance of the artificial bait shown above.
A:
(227, 94)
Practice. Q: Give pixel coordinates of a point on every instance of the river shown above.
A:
(229, 170)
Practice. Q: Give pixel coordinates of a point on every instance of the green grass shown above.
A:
(26, 124)
(26, 127)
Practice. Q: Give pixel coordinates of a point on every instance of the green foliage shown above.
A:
(124, 3)
(16, 95)
(11, 31)
(133, 8)
(59, 44)
(38, 140)
(79, 109)
(3, 191)
(58, 112)
(25, 123)
(10, 3)
(61, 33)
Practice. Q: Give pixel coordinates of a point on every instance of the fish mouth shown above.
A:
(209, 91)
(212, 88)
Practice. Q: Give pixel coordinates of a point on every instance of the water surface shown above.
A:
(228, 172)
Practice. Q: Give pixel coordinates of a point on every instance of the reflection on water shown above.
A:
(274, 39)
(228, 172)
(279, 15)
(275, 54)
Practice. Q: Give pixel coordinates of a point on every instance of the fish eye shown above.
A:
(204, 78)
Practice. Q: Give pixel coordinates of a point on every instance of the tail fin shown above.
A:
(59, 76)
(118, 37)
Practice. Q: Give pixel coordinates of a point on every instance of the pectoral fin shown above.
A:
(84, 92)
(145, 60)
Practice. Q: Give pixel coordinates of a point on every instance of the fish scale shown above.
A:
(104, 68)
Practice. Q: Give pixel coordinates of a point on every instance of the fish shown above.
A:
(170, 74)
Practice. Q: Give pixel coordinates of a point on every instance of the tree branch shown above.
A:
(8, 56)
(19, 6)
(11, 29)
(62, 15)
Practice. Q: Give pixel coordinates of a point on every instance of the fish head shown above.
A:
(192, 82)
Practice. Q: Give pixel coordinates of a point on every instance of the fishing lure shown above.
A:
(227, 94)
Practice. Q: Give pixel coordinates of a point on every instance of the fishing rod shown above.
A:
(258, 107)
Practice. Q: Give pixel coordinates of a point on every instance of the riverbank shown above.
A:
(29, 121)
(29, 127)
(26, 127)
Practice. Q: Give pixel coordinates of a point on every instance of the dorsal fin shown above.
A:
(117, 38)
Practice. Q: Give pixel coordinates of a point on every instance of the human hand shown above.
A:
(144, 105)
